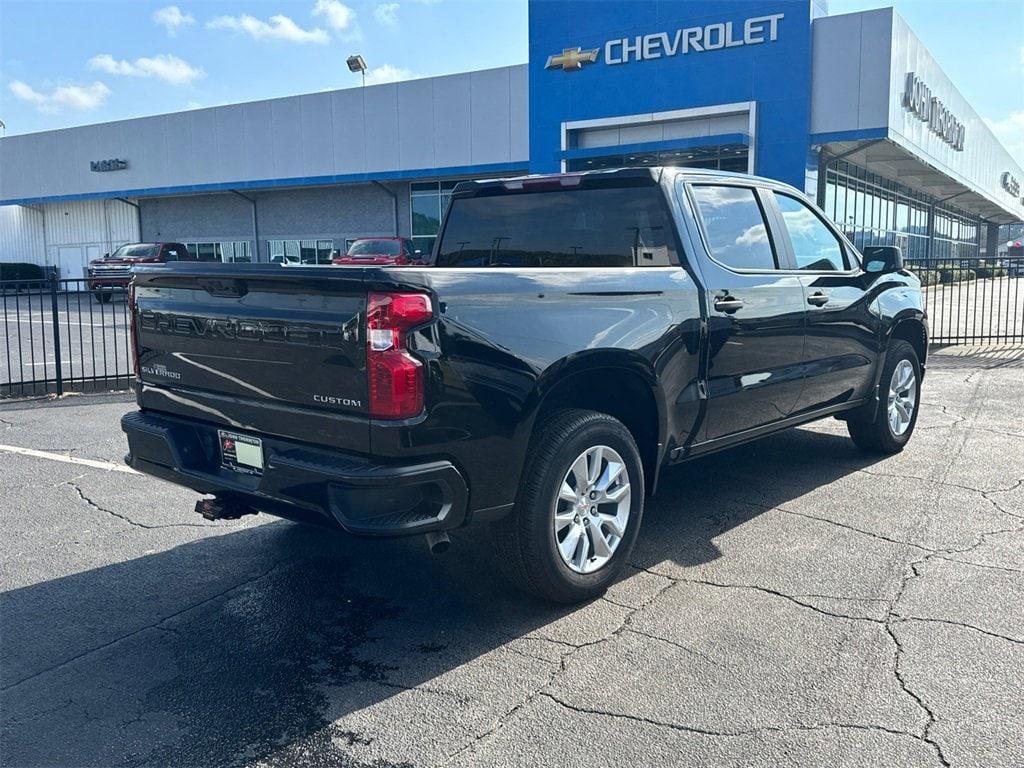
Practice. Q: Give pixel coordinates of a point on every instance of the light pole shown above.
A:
(357, 63)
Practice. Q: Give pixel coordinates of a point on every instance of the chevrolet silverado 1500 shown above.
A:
(570, 337)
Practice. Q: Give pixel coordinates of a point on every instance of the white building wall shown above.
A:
(850, 61)
(455, 121)
(66, 235)
(21, 234)
(79, 231)
(90, 222)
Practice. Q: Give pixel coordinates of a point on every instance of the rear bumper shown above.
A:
(302, 483)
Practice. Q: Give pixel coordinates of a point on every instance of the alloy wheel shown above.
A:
(902, 397)
(591, 511)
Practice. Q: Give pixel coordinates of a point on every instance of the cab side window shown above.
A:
(735, 226)
(175, 253)
(815, 247)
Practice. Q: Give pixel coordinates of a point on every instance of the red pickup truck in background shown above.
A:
(114, 271)
(380, 251)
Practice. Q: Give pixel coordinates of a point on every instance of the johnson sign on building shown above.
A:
(929, 109)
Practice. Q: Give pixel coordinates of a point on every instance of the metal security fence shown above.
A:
(973, 301)
(61, 337)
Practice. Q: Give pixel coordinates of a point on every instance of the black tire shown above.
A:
(103, 296)
(525, 543)
(873, 432)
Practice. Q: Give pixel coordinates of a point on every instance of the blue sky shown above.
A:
(72, 63)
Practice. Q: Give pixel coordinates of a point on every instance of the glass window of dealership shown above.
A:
(427, 204)
(873, 210)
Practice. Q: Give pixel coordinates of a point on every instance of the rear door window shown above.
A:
(613, 227)
(735, 226)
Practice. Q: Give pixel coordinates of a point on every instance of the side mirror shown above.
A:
(883, 258)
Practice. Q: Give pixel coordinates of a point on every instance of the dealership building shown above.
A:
(852, 109)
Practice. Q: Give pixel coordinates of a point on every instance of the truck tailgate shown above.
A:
(257, 348)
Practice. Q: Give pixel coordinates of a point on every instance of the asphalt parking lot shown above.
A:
(792, 602)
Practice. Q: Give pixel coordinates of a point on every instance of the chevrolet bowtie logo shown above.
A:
(572, 58)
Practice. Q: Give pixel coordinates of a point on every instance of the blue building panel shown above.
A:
(668, 55)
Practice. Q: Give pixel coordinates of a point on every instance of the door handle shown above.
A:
(728, 304)
(818, 299)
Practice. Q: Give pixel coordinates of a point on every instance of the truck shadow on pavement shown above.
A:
(249, 645)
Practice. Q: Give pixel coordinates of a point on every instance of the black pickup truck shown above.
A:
(571, 336)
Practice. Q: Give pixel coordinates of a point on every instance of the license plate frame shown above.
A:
(241, 453)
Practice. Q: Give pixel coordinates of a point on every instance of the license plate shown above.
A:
(241, 453)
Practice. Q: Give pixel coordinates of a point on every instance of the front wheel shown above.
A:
(578, 511)
(103, 297)
(892, 424)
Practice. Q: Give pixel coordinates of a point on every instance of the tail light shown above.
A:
(134, 317)
(394, 376)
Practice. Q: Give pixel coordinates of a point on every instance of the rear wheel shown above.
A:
(578, 511)
(103, 296)
(892, 424)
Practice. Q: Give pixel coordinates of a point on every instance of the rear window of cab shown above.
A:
(605, 227)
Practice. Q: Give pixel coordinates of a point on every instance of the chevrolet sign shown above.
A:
(709, 37)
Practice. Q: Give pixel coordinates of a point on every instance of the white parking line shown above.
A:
(107, 465)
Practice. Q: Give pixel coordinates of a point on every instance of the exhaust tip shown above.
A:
(438, 543)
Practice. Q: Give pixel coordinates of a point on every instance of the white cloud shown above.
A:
(1010, 131)
(386, 73)
(386, 14)
(171, 17)
(754, 235)
(164, 67)
(75, 97)
(25, 92)
(336, 15)
(276, 28)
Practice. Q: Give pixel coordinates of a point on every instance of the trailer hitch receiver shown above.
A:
(223, 508)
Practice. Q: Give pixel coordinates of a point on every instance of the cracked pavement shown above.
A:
(792, 602)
